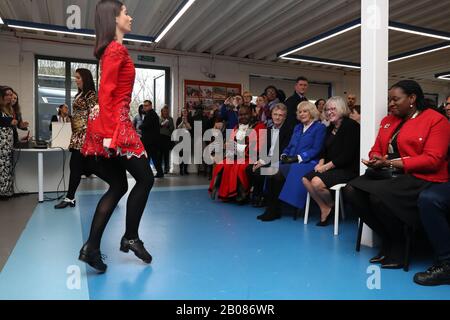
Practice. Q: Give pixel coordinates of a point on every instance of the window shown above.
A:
(55, 85)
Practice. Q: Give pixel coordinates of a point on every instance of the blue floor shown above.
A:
(202, 250)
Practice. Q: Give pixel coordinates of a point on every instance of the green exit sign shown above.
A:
(147, 58)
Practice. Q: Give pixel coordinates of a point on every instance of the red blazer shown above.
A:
(422, 142)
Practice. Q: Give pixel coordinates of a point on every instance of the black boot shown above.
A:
(436, 275)
(137, 246)
(94, 258)
(66, 203)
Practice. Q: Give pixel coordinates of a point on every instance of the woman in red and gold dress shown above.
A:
(112, 139)
(230, 180)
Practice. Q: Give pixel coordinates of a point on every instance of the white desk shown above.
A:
(28, 180)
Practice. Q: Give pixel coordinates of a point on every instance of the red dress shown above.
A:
(111, 119)
(232, 173)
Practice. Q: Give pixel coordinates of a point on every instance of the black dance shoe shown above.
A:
(436, 275)
(66, 203)
(137, 246)
(328, 220)
(269, 216)
(94, 258)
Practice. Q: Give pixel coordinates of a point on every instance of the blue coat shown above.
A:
(308, 145)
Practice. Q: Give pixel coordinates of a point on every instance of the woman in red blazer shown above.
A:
(110, 135)
(413, 141)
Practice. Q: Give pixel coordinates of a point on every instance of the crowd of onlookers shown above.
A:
(302, 148)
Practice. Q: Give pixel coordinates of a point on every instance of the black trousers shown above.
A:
(256, 180)
(164, 154)
(434, 205)
(154, 154)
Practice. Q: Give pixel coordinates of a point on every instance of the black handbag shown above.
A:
(381, 173)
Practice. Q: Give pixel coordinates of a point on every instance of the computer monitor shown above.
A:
(61, 133)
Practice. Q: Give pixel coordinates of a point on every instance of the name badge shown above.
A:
(386, 126)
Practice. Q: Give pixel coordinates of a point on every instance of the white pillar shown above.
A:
(374, 77)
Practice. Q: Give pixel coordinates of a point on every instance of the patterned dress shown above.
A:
(82, 106)
(110, 119)
(6, 163)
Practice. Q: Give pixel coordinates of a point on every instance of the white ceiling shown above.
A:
(259, 29)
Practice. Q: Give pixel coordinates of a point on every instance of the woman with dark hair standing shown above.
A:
(412, 147)
(110, 134)
(7, 122)
(85, 100)
(22, 125)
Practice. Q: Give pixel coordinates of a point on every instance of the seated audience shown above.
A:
(297, 159)
(320, 105)
(229, 179)
(277, 140)
(339, 161)
(409, 155)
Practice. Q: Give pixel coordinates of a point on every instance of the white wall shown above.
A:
(17, 70)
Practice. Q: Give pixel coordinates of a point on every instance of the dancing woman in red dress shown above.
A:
(112, 138)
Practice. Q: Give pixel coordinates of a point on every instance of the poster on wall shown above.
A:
(206, 95)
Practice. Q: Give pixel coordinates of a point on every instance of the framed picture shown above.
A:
(205, 94)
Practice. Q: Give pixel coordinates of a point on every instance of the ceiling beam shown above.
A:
(200, 10)
(232, 30)
(231, 8)
(341, 13)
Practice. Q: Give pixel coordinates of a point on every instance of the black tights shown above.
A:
(77, 168)
(374, 214)
(113, 172)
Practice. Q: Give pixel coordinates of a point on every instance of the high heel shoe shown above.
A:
(328, 220)
(66, 203)
(94, 258)
(137, 246)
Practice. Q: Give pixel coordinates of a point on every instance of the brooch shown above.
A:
(386, 126)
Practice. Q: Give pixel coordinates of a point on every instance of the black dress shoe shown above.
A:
(94, 258)
(66, 203)
(390, 263)
(436, 275)
(270, 216)
(328, 220)
(137, 246)
(379, 258)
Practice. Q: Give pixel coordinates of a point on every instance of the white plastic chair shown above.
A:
(339, 203)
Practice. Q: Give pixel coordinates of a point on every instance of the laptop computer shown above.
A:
(61, 134)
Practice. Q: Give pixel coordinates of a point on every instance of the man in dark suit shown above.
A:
(276, 140)
(301, 86)
(150, 136)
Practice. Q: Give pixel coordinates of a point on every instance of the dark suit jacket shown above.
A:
(150, 129)
(292, 104)
(284, 138)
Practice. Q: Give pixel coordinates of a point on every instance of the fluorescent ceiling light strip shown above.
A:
(136, 40)
(1, 21)
(320, 40)
(425, 34)
(445, 77)
(419, 53)
(71, 33)
(52, 30)
(321, 62)
(175, 19)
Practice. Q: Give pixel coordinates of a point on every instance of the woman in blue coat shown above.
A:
(299, 158)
